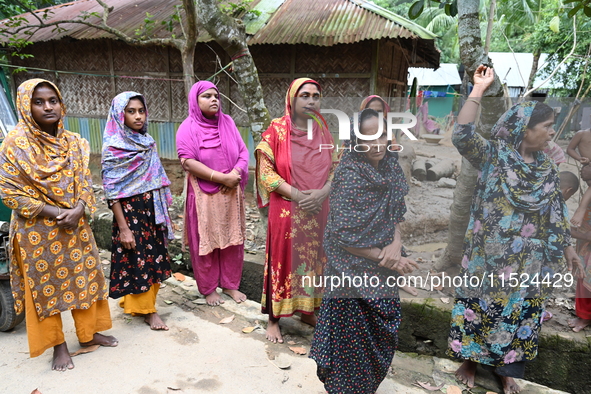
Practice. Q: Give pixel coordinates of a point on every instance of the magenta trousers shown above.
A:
(222, 267)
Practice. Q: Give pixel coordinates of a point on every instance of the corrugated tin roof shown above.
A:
(330, 22)
(514, 69)
(127, 16)
(315, 22)
(446, 74)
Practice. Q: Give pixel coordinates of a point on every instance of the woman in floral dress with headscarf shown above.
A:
(518, 228)
(138, 193)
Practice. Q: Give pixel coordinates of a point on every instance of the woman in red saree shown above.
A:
(293, 180)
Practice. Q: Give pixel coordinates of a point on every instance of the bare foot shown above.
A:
(578, 324)
(102, 340)
(510, 386)
(155, 322)
(61, 358)
(213, 299)
(273, 331)
(410, 290)
(466, 372)
(309, 319)
(236, 295)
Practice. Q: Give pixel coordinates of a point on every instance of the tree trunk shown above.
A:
(472, 55)
(229, 33)
(187, 47)
(534, 69)
(188, 59)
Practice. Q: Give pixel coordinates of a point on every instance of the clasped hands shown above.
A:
(391, 258)
(230, 181)
(310, 201)
(69, 218)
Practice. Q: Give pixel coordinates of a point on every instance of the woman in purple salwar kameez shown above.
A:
(215, 158)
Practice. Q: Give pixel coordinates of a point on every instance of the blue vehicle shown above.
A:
(8, 317)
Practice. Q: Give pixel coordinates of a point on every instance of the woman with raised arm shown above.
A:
(518, 229)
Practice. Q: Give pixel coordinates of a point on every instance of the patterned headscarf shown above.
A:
(130, 164)
(371, 98)
(527, 186)
(45, 169)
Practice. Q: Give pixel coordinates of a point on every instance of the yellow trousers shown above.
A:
(48, 333)
(140, 304)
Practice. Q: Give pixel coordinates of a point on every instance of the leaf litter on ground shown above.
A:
(298, 350)
(85, 350)
(227, 320)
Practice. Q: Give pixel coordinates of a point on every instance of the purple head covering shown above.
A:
(130, 161)
(215, 142)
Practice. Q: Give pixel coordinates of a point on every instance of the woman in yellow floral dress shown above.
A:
(45, 180)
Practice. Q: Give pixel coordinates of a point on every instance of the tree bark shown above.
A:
(187, 47)
(472, 55)
(534, 70)
(230, 34)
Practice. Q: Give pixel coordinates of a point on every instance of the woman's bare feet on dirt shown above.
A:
(309, 319)
(578, 324)
(236, 295)
(274, 331)
(155, 322)
(410, 290)
(466, 373)
(510, 386)
(61, 358)
(101, 340)
(213, 299)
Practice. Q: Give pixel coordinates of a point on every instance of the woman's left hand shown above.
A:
(403, 266)
(391, 254)
(312, 202)
(69, 218)
(573, 262)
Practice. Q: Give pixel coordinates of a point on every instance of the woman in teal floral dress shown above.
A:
(517, 243)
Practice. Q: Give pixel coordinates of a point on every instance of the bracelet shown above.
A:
(474, 101)
(297, 194)
(211, 176)
(59, 211)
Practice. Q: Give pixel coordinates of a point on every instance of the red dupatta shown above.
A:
(294, 237)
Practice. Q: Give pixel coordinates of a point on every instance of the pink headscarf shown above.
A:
(214, 142)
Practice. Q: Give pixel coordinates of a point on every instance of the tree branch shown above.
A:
(561, 63)
(24, 7)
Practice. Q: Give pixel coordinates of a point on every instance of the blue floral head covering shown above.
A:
(527, 186)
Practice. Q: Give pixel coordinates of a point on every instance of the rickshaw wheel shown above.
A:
(8, 317)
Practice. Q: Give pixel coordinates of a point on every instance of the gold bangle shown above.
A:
(474, 101)
(211, 176)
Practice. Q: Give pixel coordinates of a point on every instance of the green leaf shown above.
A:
(416, 9)
(453, 9)
(555, 24)
(576, 9)
(587, 11)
